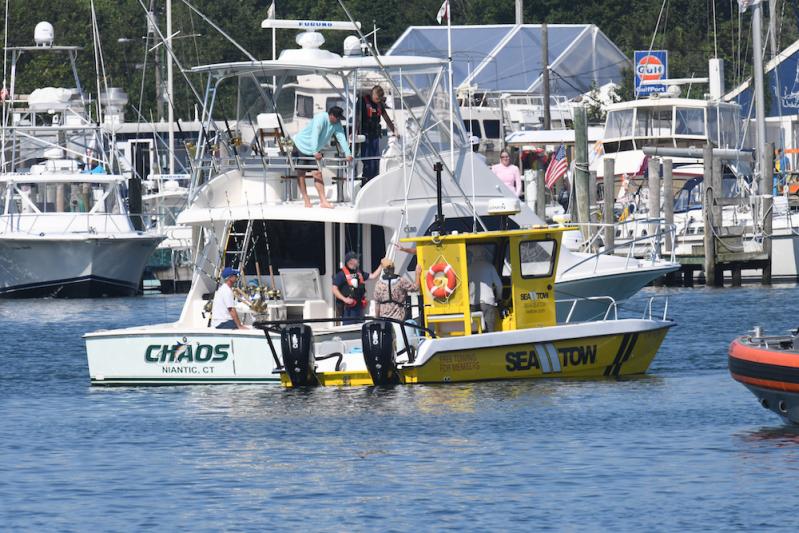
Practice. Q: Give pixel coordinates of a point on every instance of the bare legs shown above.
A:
(320, 189)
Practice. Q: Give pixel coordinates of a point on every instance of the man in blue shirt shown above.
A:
(310, 142)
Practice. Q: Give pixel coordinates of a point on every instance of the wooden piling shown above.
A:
(581, 167)
(608, 216)
(668, 201)
(540, 195)
(654, 197)
(707, 203)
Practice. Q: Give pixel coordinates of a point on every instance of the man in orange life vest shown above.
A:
(349, 288)
(372, 110)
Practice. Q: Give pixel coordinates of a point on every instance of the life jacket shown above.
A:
(351, 290)
(371, 113)
(390, 299)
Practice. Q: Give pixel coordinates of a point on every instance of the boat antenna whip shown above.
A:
(221, 31)
(438, 167)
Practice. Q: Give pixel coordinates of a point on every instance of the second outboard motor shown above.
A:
(296, 344)
(378, 352)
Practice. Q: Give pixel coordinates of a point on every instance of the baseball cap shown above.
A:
(228, 272)
(337, 112)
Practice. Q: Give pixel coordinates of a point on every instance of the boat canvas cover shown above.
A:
(507, 58)
(781, 79)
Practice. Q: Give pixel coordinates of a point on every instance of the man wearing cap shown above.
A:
(349, 288)
(223, 312)
(310, 142)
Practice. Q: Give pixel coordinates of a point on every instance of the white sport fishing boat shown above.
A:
(244, 213)
(64, 230)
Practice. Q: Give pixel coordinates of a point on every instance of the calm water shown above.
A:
(683, 448)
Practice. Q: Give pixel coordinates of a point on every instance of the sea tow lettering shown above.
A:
(186, 353)
(570, 356)
(534, 296)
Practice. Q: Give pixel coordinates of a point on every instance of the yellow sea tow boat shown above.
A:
(453, 342)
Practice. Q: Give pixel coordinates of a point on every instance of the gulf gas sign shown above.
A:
(650, 66)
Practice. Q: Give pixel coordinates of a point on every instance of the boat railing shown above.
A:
(281, 171)
(611, 309)
(653, 242)
(649, 313)
(42, 224)
(275, 326)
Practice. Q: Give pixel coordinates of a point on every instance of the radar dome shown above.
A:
(352, 46)
(310, 39)
(43, 34)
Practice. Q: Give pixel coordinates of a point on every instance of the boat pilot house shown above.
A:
(525, 260)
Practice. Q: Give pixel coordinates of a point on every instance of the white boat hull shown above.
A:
(73, 267)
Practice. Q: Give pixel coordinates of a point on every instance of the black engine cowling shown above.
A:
(296, 343)
(377, 339)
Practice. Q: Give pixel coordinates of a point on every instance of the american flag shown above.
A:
(557, 167)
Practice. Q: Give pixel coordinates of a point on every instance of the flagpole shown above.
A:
(453, 95)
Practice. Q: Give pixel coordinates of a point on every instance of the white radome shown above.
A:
(43, 34)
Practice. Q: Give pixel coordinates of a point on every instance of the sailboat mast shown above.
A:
(760, 111)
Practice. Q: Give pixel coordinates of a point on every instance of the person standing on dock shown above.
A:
(508, 173)
(309, 143)
(372, 110)
(223, 312)
(782, 167)
(349, 289)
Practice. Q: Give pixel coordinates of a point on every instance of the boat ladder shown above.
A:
(236, 256)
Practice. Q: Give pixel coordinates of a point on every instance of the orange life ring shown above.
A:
(441, 291)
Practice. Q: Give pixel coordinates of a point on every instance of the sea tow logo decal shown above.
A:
(549, 359)
(182, 352)
(534, 296)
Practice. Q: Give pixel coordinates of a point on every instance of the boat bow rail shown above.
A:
(648, 244)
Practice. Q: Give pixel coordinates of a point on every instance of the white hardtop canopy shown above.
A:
(544, 137)
(318, 65)
(667, 102)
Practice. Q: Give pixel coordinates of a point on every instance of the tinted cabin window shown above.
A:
(378, 247)
(491, 129)
(473, 127)
(304, 106)
(293, 245)
(536, 258)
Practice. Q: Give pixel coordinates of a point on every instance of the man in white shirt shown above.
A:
(223, 312)
(485, 285)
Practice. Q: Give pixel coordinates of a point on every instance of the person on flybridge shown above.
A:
(223, 312)
(310, 142)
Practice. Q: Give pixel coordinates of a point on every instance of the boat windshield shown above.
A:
(723, 124)
(689, 121)
(690, 196)
(619, 124)
(60, 197)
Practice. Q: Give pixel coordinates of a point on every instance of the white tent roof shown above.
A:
(507, 58)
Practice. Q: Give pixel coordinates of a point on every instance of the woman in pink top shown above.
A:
(508, 174)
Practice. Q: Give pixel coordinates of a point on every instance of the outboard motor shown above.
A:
(378, 352)
(296, 344)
